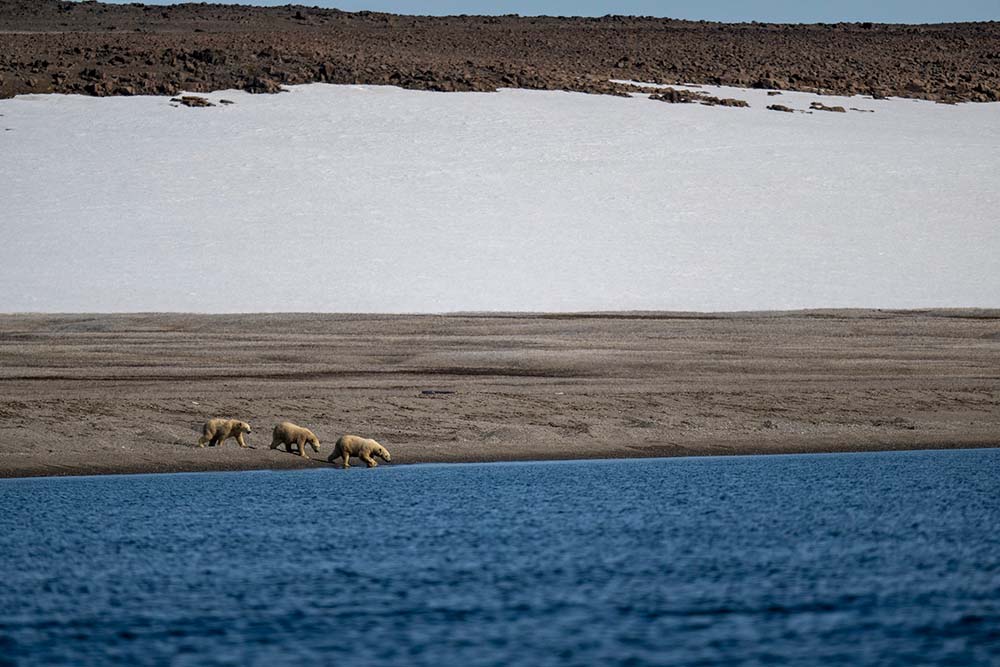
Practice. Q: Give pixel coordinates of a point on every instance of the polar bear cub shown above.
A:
(364, 448)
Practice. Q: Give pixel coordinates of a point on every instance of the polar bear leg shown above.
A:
(240, 440)
(369, 461)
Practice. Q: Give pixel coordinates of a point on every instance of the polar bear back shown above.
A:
(224, 428)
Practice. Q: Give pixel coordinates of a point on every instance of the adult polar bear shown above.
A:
(216, 431)
(288, 434)
(365, 449)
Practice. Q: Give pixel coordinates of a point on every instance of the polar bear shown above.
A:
(364, 448)
(287, 434)
(216, 431)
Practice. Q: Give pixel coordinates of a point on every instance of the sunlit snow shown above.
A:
(377, 199)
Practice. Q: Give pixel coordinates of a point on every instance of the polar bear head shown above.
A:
(243, 427)
(381, 452)
(313, 441)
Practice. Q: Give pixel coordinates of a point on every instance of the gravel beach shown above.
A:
(93, 394)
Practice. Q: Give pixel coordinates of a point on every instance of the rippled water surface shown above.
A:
(890, 558)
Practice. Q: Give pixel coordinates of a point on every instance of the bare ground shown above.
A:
(52, 46)
(90, 394)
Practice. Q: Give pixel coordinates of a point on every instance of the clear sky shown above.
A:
(784, 11)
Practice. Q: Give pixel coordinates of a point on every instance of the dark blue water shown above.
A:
(880, 559)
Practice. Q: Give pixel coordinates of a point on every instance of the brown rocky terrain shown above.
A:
(85, 394)
(91, 48)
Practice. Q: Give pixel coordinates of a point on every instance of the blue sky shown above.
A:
(786, 11)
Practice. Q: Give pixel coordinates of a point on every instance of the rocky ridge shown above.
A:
(53, 46)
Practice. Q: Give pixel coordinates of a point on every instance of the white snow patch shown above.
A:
(357, 198)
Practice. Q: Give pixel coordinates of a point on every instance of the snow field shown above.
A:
(377, 199)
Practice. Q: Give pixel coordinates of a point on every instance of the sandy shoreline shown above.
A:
(101, 394)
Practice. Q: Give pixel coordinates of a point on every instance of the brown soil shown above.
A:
(91, 48)
(128, 393)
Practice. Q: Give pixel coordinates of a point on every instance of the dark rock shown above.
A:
(208, 56)
(819, 106)
(781, 107)
(193, 101)
(988, 94)
(97, 89)
(91, 74)
(676, 96)
(262, 85)
(681, 96)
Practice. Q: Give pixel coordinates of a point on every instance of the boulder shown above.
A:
(192, 101)
(262, 85)
(819, 106)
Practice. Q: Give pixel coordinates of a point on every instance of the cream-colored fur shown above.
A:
(287, 434)
(216, 431)
(364, 448)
